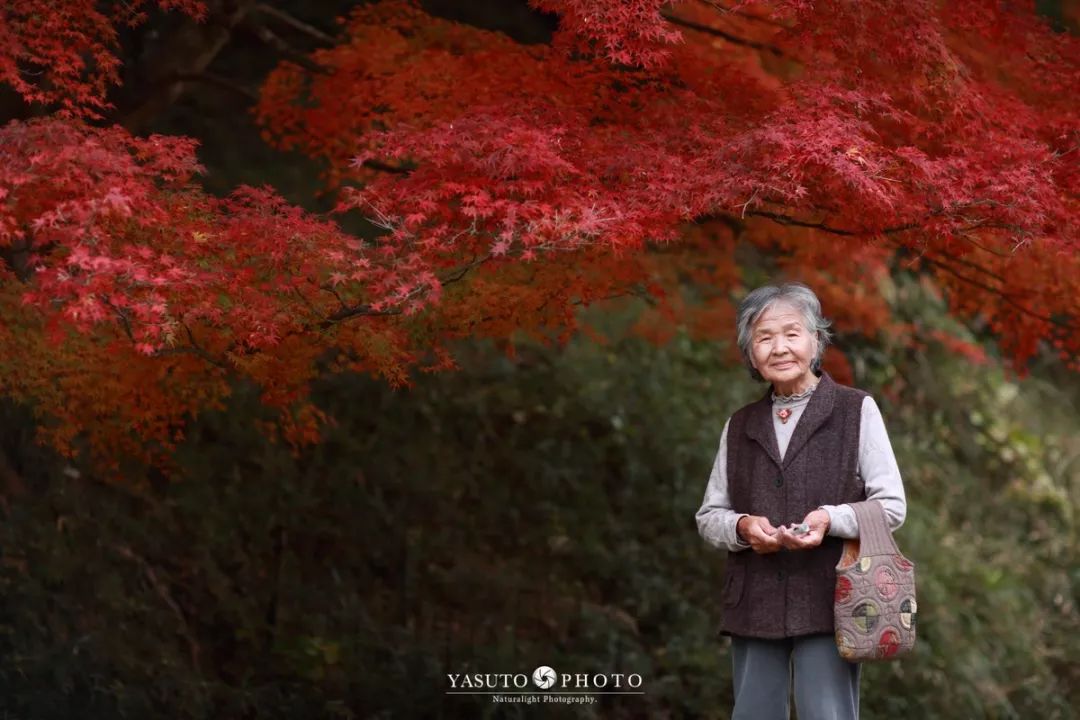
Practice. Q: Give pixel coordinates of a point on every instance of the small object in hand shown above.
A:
(801, 529)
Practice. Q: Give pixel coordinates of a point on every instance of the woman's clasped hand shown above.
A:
(763, 537)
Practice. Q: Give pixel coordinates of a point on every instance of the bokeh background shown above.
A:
(533, 507)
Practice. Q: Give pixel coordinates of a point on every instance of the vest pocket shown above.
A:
(733, 586)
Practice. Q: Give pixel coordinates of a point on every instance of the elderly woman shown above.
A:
(794, 457)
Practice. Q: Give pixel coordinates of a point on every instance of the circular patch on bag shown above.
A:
(865, 616)
(864, 564)
(908, 609)
(902, 563)
(843, 590)
(845, 644)
(888, 643)
(885, 581)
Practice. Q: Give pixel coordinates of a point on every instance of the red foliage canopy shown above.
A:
(517, 182)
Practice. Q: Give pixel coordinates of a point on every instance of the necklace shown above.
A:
(784, 413)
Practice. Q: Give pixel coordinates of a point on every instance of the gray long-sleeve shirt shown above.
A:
(716, 519)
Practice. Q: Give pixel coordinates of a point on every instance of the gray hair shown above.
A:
(798, 296)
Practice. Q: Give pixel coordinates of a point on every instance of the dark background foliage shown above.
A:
(523, 511)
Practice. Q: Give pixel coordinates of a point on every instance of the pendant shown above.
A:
(783, 414)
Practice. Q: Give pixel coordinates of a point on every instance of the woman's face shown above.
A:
(781, 348)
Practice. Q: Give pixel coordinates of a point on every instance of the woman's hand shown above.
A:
(760, 533)
(818, 520)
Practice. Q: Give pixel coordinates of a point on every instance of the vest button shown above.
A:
(779, 480)
(780, 575)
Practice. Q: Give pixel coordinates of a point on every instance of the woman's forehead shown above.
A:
(779, 314)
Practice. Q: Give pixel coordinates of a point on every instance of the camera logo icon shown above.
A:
(543, 677)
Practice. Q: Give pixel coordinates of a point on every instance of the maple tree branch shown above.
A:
(352, 311)
(212, 79)
(193, 349)
(296, 24)
(966, 238)
(963, 261)
(998, 292)
(387, 167)
(187, 51)
(788, 220)
(796, 222)
(200, 351)
(125, 321)
(304, 299)
(725, 10)
(978, 268)
(345, 313)
(333, 291)
(476, 262)
(196, 351)
(637, 290)
(366, 309)
(733, 39)
(269, 38)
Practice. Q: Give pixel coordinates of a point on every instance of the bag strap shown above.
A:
(875, 538)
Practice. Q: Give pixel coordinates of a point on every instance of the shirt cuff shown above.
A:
(735, 532)
(842, 522)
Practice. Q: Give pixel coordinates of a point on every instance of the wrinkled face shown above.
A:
(781, 347)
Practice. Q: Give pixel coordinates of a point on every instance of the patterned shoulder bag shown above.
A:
(875, 592)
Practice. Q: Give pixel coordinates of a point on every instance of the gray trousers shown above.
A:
(826, 686)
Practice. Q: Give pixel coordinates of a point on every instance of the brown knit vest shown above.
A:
(790, 593)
